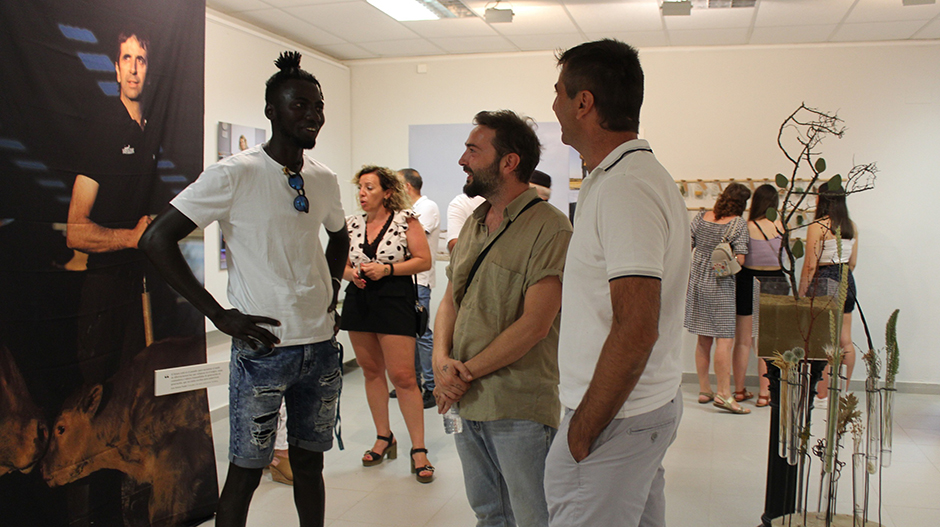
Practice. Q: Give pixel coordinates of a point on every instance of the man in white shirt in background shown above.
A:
(460, 208)
(623, 303)
(430, 217)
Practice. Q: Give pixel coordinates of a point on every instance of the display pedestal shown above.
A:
(818, 519)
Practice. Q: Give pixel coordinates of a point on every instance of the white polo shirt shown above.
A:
(630, 221)
(276, 265)
(429, 215)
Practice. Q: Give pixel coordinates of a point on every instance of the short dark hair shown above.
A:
(611, 71)
(766, 197)
(514, 135)
(412, 177)
(288, 64)
(125, 35)
(732, 201)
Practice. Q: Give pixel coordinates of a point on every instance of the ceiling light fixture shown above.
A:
(919, 2)
(495, 15)
(410, 10)
(677, 8)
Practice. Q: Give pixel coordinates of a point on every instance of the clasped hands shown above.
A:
(451, 380)
(372, 270)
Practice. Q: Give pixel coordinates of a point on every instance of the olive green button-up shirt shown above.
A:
(533, 247)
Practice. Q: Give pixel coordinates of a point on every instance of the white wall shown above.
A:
(714, 113)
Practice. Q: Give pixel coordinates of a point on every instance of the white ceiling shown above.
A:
(353, 29)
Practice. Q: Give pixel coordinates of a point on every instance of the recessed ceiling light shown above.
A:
(405, 10)
(919, 2)
(677, 8)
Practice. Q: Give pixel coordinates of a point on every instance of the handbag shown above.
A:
(423, 317)
(723, 260)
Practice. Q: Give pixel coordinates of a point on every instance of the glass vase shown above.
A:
(783, 434)
(794, 418)
(873, 426)
(887, 410)
(859, 473)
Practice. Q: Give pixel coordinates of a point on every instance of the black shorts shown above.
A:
(386, 306)
(834, 272)
(744, 288)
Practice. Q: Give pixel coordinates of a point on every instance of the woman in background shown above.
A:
(823, 260)
(387, 247)
(761, 264)
(710, 303)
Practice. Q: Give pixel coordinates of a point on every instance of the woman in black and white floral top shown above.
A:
(387, 247)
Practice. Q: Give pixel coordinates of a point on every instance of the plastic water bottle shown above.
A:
(452, 422)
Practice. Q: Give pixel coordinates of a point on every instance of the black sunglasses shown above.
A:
(296, 182)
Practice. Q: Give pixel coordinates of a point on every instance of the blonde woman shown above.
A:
(387, 246)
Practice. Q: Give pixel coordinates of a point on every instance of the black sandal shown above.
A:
(391, 452)
(418, 470)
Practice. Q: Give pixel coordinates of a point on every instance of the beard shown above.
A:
(485, 181)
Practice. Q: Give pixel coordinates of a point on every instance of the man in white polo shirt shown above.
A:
(623, 302)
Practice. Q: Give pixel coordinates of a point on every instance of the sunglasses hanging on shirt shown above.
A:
(296, 182)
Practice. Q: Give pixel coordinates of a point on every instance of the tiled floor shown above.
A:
(715, 471)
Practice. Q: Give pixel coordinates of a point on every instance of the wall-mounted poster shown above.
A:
(233, 138)
(101, 124)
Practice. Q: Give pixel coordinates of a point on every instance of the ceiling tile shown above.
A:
(602, 18)
(537, 20)
(891, 12)
(791, 35)
(290, 26)
(931, 30)
(708, 37)
(402, 48)
(353, 21)
(297, 3)
(546, 42)
(234, 6)
(730, 17)
(451, 27)
(876, 31)
(637, 39)
(475, 44)
(798, 12)
(347, 52)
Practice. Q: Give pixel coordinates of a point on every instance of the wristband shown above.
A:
(391, 269)
(338, 281)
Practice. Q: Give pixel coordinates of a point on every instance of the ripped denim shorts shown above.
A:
(309, 377)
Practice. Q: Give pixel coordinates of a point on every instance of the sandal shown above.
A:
(729, 406)
(370, 458)
(762, 400)
(418, 470)
(743, 395)
(705, 397)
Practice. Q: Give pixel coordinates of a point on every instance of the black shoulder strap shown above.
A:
(486, 250)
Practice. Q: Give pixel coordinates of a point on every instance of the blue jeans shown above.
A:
(308, 377)
(503, 468)
(425, 344)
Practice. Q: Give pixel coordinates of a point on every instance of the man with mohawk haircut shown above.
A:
(282, 286)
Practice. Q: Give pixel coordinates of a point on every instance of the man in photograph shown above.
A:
(624, 296)
(271, 201)
(496, 330)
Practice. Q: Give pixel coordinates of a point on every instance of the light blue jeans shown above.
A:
(425, 344)
(503, 468)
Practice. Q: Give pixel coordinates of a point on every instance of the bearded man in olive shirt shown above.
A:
(496, 332)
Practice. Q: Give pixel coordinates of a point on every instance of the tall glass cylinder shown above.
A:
(794, 416)
(873, 428)
(832, 418)
(887, 410)
(859, 472)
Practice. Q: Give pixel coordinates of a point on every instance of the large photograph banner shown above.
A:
(101, 124)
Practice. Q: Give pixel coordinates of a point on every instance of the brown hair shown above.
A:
(390, 181)
(732, 201)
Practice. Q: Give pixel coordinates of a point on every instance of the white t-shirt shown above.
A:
(458, 211)
(630, 221)
(276, 265)
(430, 217)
